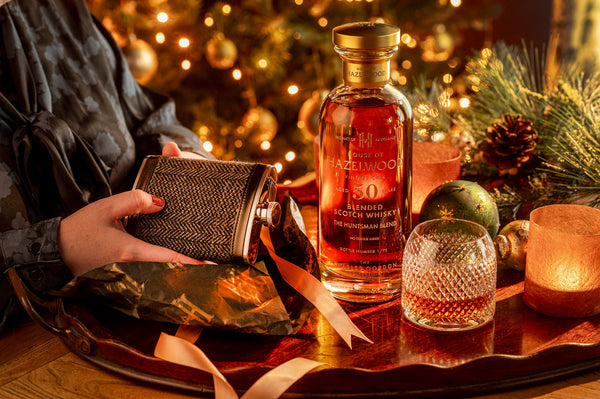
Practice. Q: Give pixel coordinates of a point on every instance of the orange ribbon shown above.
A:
(312, 289)
(180, 348)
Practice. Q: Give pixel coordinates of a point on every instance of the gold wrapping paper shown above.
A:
(238, 297)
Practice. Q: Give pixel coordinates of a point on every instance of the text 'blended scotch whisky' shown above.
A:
(365, 162)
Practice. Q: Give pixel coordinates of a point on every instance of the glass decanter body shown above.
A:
(365, 161)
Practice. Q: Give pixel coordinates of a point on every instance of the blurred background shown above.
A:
(249, 76)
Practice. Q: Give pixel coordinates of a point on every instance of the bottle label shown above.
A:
(356, 74)
(363, 180)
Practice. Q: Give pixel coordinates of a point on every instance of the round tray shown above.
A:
(520, 347)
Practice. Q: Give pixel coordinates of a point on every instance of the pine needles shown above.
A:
(564, 109)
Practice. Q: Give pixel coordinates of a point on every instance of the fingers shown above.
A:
(133, 202)
(153, 253)
(171, 150)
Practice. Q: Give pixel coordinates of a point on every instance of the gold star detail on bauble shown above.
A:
(479, 208)
(446, 213)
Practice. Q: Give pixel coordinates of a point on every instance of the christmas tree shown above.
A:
(249, 76)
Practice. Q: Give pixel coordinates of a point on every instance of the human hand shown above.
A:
(94, 235)
(172, 150)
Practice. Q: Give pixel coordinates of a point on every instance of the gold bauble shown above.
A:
(142, 60)
(221, 53)
(258, 125)
(439, 46)
(308, 116)
(511, 244)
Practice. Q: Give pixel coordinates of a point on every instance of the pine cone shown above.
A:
(510, 143)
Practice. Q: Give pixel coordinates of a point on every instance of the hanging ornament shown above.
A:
(462, 199)
(308, 116)
(439, 46)
(443, 40)
(510, 143)
(142, 60)
(221, 53)
(258, 125)
(511, 244)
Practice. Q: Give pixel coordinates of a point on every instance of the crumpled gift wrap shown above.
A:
(238, 297)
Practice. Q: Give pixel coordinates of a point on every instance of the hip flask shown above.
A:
(214, 210)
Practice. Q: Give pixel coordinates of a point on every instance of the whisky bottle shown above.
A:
(365, 162)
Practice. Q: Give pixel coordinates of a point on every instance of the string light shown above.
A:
(445, 98)
(322, 22)
(203, 132)
(299, 2)
(160, 38)
(278, 167)
(290, 156)
(455, 3)
(184, 42)
(207, 145)
(486, 53)
(237, 74)
(162, 17)
(262, 63)
(408, 40)
(292, 89)
(186, 64)
(447, 78)
(226, 9)
(464, 102)
(209, 21)
(265, 145)
(238, 143)
(406, 64)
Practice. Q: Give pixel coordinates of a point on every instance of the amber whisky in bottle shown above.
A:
(365, 162)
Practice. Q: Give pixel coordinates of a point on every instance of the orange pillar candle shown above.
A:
(562, 274)
(433, 164)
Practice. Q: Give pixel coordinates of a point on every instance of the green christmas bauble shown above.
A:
(462, 199)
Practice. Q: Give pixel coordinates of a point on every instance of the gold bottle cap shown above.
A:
(366, 35)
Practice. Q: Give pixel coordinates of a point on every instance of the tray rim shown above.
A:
(199, 382)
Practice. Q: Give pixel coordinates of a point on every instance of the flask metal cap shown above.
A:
(366, 35)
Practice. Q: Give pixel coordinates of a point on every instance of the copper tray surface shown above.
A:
(520, 347)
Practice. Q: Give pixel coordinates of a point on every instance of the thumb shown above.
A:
(134, 202)
(171, 150)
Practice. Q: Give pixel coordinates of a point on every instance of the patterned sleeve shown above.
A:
(33, 252)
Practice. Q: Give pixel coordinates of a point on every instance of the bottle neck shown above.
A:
(371, 74)
(366, 68)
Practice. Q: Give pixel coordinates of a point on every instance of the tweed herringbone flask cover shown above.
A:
(213, 209)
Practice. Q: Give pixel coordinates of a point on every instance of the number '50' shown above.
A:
(359, 193)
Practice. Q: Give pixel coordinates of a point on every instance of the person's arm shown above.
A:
(49, 253)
